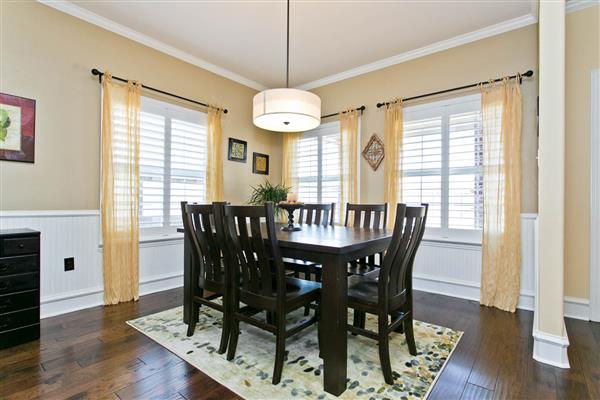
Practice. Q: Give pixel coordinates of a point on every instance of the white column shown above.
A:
(550, 337)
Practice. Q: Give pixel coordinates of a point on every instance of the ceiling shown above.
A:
(245, 40)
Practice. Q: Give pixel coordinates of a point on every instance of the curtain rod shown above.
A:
(99, 74)
(525, 74)
(361, 109)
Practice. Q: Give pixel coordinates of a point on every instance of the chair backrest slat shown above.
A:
(317, 214)
(364, 214)
(395, 275)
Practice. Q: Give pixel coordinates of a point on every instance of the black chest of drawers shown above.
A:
(19, 286)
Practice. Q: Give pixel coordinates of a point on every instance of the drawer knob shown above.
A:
(4, 267)
(4, 285)
(5, 304)
(21, 246)
(4, 322)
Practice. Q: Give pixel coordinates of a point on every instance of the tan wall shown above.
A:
(509, 53)
(583, 56)
(47, 55)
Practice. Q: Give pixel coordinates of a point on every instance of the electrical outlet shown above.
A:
(69, 264)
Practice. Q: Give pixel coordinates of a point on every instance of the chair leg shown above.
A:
(193, 318)
(307, 272)
(410, 337)
(384, 356)
(226, 329)
(233, 338)
(279, 350)
(400, 328)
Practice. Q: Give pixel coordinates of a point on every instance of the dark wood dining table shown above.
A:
(332, 247)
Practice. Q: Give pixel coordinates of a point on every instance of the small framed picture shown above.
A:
(238, 150)
(260, 163)
(17, 128)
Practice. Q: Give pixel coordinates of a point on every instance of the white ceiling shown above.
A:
(245, 40)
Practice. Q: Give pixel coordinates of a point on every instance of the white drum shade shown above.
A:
(286, 110)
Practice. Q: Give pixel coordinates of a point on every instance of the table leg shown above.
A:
(334, 308)
(187, 271)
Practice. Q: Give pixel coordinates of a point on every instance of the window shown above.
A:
(318, 164)
(172, 161)
(442, 160)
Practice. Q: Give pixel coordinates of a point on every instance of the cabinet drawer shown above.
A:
(19, 335)
(19, 301)
(18, 283)
(18, 319)
(18, 265)
(17, 246)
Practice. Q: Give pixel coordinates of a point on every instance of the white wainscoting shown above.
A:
(451, 269)
(77, 234)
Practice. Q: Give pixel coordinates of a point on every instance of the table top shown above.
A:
(328, 239)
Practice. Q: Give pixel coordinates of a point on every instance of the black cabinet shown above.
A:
(19, 286)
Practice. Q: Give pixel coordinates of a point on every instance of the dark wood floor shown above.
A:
(94, 354)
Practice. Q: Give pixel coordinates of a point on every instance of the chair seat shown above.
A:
(363, 293)
(298, 293)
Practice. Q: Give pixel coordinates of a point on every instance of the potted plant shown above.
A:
(268, 192)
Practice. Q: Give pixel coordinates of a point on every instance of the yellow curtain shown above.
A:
(289, 174)
(348, 160)
(214, 167)
(120, 189)
(392, 166)
(501, 263)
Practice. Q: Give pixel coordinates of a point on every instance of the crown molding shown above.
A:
(483, 33)
(576, 5)
(93, 18)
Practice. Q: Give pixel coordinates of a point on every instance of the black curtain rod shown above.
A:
(99, 74)
(361, 109)
(525, 74)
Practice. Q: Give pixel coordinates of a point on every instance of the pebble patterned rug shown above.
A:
(249, 374)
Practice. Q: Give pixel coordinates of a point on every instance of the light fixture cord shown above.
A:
(287, 60)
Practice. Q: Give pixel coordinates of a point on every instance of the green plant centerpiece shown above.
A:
(268, 192)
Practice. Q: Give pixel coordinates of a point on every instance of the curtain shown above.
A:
(214, 167)
(289, 174)
(392, 166)
(501, 248)
(120, 189)
(348, 160)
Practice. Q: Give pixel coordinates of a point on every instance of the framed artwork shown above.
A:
(17, 128)
(260, 163)
(238, 150)
(374, 152)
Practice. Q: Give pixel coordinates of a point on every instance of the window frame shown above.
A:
(169, 111)
(451, 106)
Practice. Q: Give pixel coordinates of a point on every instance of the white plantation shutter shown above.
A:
(318, 164)
(173, 147)
(442, 163)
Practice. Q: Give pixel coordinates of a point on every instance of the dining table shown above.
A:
(332, 247)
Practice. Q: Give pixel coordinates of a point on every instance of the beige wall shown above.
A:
(47, 55)
(509, 53)
(583, 56)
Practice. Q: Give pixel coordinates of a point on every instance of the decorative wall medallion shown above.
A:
(374, 152)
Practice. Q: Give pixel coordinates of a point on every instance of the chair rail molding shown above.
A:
(595, 198)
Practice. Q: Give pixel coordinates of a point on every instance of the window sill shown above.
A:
(450, 240)
(163, 237)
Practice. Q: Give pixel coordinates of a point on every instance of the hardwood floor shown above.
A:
(94, 354)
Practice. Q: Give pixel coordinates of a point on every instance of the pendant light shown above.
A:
(286, 109)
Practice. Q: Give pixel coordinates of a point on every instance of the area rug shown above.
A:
(249, 374)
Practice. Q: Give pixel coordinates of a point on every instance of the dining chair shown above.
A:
(255, 261)
(389, 292)
(369, 216)
(311, 214)
(208, 272)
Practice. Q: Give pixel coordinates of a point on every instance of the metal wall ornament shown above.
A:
(374, 152)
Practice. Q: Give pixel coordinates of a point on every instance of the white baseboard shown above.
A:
(577, 308)
(550, 349)
(93, 297)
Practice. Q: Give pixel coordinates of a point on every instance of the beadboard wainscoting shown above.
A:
(77, 234)
(452, 269)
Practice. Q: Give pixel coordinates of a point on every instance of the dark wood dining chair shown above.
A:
(311, 214)
(208, 272)
(255, 261)
(389, 293)
(370, 216)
